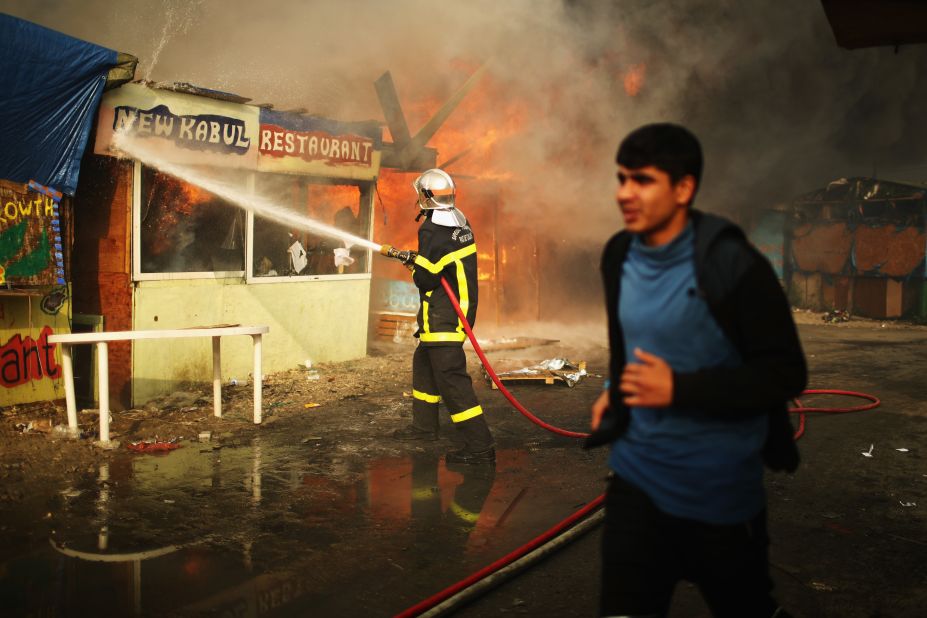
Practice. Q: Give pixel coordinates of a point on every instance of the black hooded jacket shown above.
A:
(745, 298)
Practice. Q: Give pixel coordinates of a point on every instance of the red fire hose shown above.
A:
(534, 543)
(458, 588)
(800, 409)
(492, 374)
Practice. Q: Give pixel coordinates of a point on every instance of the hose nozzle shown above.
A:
(405, 256)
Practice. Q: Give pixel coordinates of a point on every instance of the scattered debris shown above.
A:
(43, 425)
(313, 375)
(836, 316)
(395, 565)
(869, 452)
(821, 587)
(205, 436)
(548, 371)
(62, 431)
(154, 446)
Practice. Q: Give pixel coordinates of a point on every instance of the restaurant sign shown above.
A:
(191, 129)
(308, 144)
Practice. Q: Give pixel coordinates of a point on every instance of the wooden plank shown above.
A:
(546, 379)
(546, 376)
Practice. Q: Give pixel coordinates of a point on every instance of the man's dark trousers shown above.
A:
(646, 552)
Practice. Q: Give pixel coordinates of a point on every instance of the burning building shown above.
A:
(537, 261)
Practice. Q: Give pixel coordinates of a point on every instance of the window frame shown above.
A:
(367, 191)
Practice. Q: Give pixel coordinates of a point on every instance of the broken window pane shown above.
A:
(187, 229)
(281, 250)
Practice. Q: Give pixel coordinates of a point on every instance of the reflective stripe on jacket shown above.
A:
(449, 252)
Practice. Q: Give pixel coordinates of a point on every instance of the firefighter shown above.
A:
(446, 248)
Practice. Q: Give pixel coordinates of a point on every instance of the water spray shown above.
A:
(259, 205)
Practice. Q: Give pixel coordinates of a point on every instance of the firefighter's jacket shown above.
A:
(449, 252)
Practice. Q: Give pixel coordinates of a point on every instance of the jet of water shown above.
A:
(179, 18)
(259, 205)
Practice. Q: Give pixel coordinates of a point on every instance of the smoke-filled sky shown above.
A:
(780, 109)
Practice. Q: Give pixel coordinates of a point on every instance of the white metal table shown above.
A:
(101, 339)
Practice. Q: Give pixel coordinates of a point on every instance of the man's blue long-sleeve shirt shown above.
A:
(689, 463)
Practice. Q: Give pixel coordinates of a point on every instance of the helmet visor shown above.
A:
(441, 198)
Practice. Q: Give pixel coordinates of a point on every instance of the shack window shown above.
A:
(294, 249)
(184, 229)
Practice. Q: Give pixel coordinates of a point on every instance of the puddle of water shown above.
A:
(271, 527)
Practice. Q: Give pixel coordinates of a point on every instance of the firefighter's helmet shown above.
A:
(435, 189)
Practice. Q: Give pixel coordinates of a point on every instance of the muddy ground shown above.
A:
(318, 512)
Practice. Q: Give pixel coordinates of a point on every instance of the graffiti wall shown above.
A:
(30, 366)
(30, 236)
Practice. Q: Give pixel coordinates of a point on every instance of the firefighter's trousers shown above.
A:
(439, 373)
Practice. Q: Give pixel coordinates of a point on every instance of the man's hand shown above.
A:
(598, 409)
(648, 384)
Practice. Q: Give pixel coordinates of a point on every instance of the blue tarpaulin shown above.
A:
(50, 86)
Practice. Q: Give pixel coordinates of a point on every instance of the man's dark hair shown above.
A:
(669, 147)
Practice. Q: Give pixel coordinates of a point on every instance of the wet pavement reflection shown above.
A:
(269, 527)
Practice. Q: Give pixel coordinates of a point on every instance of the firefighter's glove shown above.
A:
(408, 258)
(410, 263)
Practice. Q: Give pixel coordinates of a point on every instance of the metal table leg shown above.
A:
(258, 378)
(216, 379)
(103, 381)
(67, 365)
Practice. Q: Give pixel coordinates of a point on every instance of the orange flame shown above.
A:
(634, 79)
(170, 200)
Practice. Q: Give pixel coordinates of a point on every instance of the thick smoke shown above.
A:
(780, 108)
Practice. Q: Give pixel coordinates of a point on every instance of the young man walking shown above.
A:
(704, 358)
